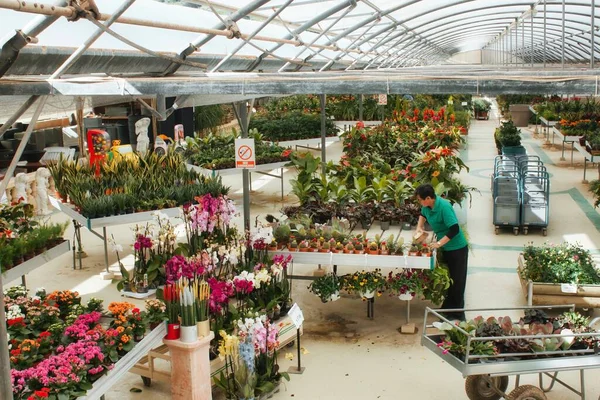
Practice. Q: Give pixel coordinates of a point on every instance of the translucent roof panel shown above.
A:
(314, 35)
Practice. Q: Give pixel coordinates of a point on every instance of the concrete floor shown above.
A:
(348, 356)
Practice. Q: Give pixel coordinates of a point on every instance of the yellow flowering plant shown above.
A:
(364, 281)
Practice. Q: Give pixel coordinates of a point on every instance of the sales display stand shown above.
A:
(146, 367)
(365, 261)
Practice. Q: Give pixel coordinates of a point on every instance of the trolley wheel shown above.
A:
(525, 230)
(291, 344)
(516, 231)
(527, 392)
(496, 230)
(481, 387)
(147, 381)
(545, 231)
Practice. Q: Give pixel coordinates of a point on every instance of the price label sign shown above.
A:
(295, 314)
(382, 99)
(568, 288)
(464, 103)
(245, 156)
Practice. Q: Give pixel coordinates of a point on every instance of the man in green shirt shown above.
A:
(438, 212)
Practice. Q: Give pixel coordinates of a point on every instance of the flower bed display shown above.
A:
(22, 237)
(556, 334)
(217, 152)
(559, 274)
(130, 184)
(380, 167)
(60, 347)
(292, 125)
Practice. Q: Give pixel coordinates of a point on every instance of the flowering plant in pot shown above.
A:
(359, 248)
(339, 247)
(365, 283)
(349, 248)
(187, 304)
(201, 290)
(325, 247)
(156, 312)
(373, 248)
(303, 246)
(171, 296)
(406, 284)
(326, 287)
(293, 246)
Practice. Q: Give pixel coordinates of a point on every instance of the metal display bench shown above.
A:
(487, 375)
(260, 169)
(41, 259)
(308, 144)
(535, 189)
(587, 157)
(80, 221)
(565, 139)
(358, 260)
(506, 194)
(125, 364)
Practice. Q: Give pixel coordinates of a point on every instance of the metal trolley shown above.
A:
(535, 189)
(487, 376)
(506, 193)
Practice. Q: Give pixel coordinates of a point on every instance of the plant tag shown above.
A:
(295, 314)
(568, 288)
(464, 103)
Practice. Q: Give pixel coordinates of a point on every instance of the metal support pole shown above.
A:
(523, 42)
(6, 126)
(361, 100)
(322, 99)
(97, 33)
(562, 53)
(13, 164)
(593, 35)
(531, 20)
(5, 381)
(242, 117)
(544, 33)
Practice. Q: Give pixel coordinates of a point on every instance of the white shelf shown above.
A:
(139, 296)
(140, 350)
(586, 154)
(359, 260)
(307, 142)
(235, 171)
(548, 123)
(568, 139)
(36, 262)
(112, 220)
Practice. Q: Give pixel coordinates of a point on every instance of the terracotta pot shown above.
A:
(293, 249)
(314, 249)
(323, 250)
(425, 254)
(374, 252)
(384, 253)
(359, 252)
(272, 248)
(413, 253)
(346, 251)
(303, 249)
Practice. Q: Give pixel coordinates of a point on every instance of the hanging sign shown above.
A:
(295, 314)
(245, 156)
(382, 99)
(568, 288)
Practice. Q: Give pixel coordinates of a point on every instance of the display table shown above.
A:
(263, 169)
(26, 267)
(587, 156)
(105, 383)
(146, 368)
(565, 139)
(94, 223)
(309, 143)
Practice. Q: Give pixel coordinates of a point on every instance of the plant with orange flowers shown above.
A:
(64, 300)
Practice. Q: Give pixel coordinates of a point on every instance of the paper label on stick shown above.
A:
(568, 288)
(295, 314)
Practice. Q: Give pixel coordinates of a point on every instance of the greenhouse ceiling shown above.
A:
(141, 47)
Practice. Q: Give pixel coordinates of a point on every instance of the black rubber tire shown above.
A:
(147, 381)
(527, 392)
(477, 388)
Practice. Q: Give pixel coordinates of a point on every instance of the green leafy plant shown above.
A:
(326, 287)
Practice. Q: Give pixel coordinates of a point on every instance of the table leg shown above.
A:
(562, 154)
(584, 169)
(281, 183)
(105, 248)
(572, 150)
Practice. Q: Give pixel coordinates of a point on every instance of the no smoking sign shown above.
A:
(244, 153)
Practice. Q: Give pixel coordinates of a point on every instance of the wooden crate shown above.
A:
(147, 370)
(587, 296)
